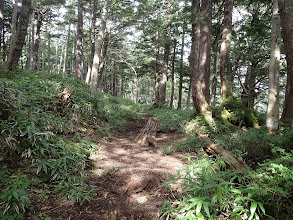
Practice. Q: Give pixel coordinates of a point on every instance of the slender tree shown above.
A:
(225, 69)
(91, 41)
(1, 22)
(164, 73)
(173, 74)
(19, 38)
(79, 43)
(157, 68)
(181, 67)
(65, 66)
(286, 11)
(96, 74)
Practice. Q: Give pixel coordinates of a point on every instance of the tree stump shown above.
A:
(147, 135)
(231, 159)
(65, 96)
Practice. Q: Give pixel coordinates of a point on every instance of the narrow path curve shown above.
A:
(128, 176)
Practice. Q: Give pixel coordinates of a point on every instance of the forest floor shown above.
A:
(128, 176)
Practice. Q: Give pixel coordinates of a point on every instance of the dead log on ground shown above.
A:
(147, 135)
(231, 159)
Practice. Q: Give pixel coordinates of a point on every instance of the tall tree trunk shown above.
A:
(13, 22)
(61, 59)
(1, 22)
(214, 81)
(225, 69)
(96, 76)
(286, 11)
(181, 69)
(199, 101)
(104, 55)
(48, 68)
(205, 48)
(114, 78)
(18, 41)
(164, 75)
(79, 46)
(272, 120)
(66, 52)
(32, 43)
(173, 74)
(37, 40)
(91, 42)
(188, 95)
(157, 69)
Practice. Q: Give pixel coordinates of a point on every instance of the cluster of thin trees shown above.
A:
(161, 20)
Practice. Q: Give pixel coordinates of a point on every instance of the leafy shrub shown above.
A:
(13, 194)
(210, 191)
(171, 119)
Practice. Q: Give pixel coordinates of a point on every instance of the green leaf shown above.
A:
(206, 208)
(219, 195)
(198, 207)
(14, 194)
(252, 209)
(172, 177)
(261, 207)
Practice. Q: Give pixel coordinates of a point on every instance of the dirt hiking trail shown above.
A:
(128, 176)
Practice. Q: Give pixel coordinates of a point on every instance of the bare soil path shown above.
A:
(128, 176)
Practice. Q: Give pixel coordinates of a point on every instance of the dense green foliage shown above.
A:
(49, 140)
(211, 189)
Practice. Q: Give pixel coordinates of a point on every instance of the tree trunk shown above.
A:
(214, 81)
(48, 68)
(286, 11)
(272, 119)
(205, 48)
(105, 52)
(79, 46)
(157, 70)
(91, 42)
(199, 101)
(188, 95)
(225, 69)
(96, 76)
(18, 41)
(181, 70)
(32, 43)
(164, 77)
(114, 78)
(13, 23)
(66, 52)
(173, 74)
(1, 22)
(37, 40)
